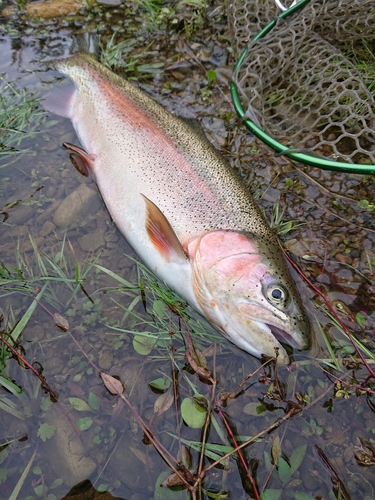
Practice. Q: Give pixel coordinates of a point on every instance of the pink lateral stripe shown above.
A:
(120, 102)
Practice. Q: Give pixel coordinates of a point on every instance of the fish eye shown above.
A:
(277, 295)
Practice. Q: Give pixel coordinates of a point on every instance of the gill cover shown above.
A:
(239, 290)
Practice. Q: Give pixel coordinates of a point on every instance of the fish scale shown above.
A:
(178, 202)
(212, 170)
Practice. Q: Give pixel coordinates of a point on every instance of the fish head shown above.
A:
(245, 289)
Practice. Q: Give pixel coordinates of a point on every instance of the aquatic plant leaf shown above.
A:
(364, 454)
(184, 456)
(84, 423)
(103, 487)
(5, 216)
(172, 480)
(198, 363)
(192, 413)
(4, 454)
(297, 458)
(276, 449)
(283, 470)
(94, 401)
(79, 405)
(159, 308)
(56, 483)
(334, 360)
(254, 409)
(196, 357)
(46, 431)
(20, 116)
(160, 384)
(161, 493)
(114, 386)
(219, 495)
(40, 490)
(299, 495)
(164, 402)
(143, 345)
(3, 475)
(211, 76)
(61, 322)
(142, 456)
(267, 461)
(360, 319)
(18, 329)
(45, 404)
(271, 494)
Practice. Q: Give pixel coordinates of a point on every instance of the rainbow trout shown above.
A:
(183, 209)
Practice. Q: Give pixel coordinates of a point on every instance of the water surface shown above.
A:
(75, 259)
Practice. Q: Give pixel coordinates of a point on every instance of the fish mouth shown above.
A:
(283, 336)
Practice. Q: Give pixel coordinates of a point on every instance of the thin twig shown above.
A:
(163, 452)
(243, 382)
(240, 455)
(293, 411)
(205, 427)
(43, 382)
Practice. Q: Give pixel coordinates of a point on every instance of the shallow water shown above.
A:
(323, 451)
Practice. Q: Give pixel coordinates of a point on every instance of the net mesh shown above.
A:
(296, 83)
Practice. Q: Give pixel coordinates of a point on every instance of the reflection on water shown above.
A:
(59, 242)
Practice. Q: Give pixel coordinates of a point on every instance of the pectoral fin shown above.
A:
(161, 233)
(81, 160)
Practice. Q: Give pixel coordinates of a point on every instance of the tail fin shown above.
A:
(88, 43)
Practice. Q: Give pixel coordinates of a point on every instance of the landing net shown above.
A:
(294, 87)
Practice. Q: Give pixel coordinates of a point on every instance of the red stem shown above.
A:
(333, 312)
(30, 367)
(240, 455)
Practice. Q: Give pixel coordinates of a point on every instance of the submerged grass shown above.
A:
(20, 118)
(116, 56)
(277, 222)
(166, 314)
(48, 281)
(362, 54)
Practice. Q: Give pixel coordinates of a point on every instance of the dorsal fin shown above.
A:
(161, 233)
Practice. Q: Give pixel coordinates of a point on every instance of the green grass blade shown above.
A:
(22, 479)
(12, 411)
(77, 280)
(10, 386)
(115, 276)
(25, 318)
(38, 257)
(359, 344)
(334, 359)
(212, 451)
